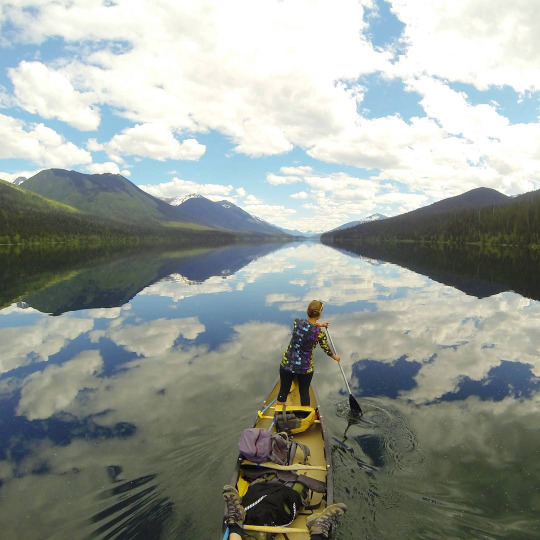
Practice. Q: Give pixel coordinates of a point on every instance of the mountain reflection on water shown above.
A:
(120, 415)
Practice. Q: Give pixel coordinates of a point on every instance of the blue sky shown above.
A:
(306, 113)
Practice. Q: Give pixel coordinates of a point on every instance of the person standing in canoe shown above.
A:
(297, 360)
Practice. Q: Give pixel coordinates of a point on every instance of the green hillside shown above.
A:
(110, 196)
(27, 217)
(514, 222)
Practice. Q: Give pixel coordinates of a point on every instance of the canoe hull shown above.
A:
(318, 467)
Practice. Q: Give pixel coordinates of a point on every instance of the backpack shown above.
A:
(255, 444)
(270, 503)
(259, 445)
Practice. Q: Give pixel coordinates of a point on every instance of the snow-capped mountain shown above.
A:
(373, 217)
(18, 181)
(222, 214)
(177, 201)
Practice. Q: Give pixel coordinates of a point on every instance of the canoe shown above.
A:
(318, 467)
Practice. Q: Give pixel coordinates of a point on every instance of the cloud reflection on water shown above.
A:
(459, 368)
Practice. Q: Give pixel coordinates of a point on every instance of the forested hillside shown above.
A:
(26, 217)
(110, 196)
(516, 222)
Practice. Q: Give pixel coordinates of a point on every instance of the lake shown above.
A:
(127, 377)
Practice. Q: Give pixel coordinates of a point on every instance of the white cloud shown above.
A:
(154, 337)
(50, 94)
(41, 340)
(154, 141)
(336, 198)
(100, 168)
(302, 170)
(267, 85)
(11, 177)
(39, 144)
(470, 42)
(275, 213)
(93, 146)
(251, 199)
(277, 180)
(53, 389)
(178, 187)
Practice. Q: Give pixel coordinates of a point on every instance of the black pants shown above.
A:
(286, 379)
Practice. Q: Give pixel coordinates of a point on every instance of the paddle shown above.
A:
(355, 406)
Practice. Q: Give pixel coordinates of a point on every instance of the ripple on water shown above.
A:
(373, 449)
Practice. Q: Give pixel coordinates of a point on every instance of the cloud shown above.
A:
(155, 337)
(336, 198)
(277, 180)
(178, 187)
(251, 199)
(93, 146)
(11, 177)
(39, 144)
(302, 170)
(43, 339)
(100, 168)
(268, 86)
(466, 42)
(37, 89)
(154, 141)
(53, 389)
(273, 212)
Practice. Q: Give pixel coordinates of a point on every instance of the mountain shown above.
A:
(19, 180)
(481, 215)
(293, 232)
(368, 219)
(26, 216)
(221, 214)
(109, 196)
(177, 201)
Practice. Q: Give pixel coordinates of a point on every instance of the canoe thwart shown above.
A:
(294, 467)
(276, 530)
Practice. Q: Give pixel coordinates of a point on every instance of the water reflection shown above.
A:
(474, 270)
(111, 280)
(123, 420)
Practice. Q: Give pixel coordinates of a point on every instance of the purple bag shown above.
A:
(255, 444)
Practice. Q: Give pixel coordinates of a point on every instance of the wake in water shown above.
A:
(371, 450)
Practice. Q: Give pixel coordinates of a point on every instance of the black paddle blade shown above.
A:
(355, 406)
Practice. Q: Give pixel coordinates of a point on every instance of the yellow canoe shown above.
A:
(318, 467)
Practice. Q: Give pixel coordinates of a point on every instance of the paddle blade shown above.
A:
(355, 406)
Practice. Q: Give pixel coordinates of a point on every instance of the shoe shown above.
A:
(322, 523)
(235, 511)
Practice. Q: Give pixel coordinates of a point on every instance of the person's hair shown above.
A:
(314, 309)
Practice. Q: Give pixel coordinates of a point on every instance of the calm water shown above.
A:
(126, 381)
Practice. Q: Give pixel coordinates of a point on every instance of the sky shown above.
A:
(306, 113)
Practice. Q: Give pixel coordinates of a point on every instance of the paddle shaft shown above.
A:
(339, 363)
(355, 406)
